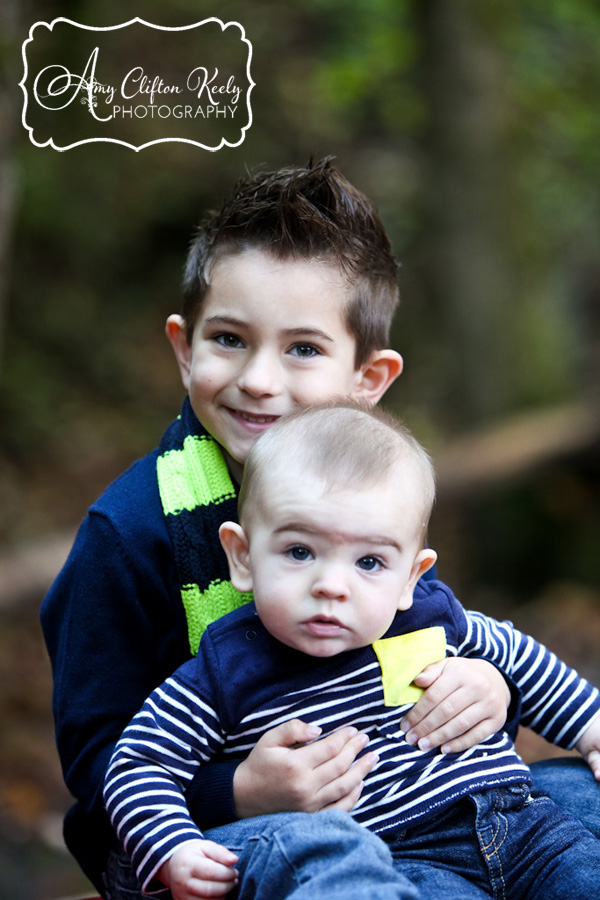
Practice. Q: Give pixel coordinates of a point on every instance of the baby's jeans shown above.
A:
(294, 856)
(504, 843)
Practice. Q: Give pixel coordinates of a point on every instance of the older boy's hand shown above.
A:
(289, 770)
(199, 869)
(589, 747)
(465, 701)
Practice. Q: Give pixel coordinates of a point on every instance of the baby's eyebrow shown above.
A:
(380, 540)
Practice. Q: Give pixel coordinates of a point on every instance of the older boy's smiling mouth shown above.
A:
(253, 418)
(260, 420)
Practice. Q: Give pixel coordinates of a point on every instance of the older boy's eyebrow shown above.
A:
(308, 332)
(301, 331)
(381, 540)
(225, 320)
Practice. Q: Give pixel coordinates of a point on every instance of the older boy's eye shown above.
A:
(369, 563)
(299, 553)
(228, 340)
(305, 351)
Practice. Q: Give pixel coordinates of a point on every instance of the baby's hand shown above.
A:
(465, 701)
(199, 869)
(589, 747)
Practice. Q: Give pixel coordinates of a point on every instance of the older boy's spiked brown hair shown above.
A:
(309, 212)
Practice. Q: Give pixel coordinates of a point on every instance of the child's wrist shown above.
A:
(163, 874)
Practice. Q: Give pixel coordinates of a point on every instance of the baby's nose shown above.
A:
(331, 585)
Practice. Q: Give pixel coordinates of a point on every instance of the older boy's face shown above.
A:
(270, 338)
(331, 568)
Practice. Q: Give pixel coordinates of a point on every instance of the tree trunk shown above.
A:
(469, 264)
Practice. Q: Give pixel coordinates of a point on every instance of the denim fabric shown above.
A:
(501, 843)
(296, 856)
(570, 783)
(505, 844)
(311, 856)
(121, 882)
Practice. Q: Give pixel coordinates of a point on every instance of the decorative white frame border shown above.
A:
(50, 141)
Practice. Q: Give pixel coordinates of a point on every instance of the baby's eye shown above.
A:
(228, 340)
(305, 351)
(369, 563)
(299, 553)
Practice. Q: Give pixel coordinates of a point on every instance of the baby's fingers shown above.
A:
(211, 879)
(218, 853)
(201, 869)
(593, 761)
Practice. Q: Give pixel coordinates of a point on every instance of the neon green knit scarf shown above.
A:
(197, 496)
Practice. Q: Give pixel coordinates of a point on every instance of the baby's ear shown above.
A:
(376, 374)
(177, 336)
(235, 544)
(424, 560)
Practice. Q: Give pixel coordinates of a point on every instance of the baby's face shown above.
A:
(330, 568)
(270, 338)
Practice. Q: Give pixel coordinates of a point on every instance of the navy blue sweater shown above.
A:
(245, 682)
(115, 628)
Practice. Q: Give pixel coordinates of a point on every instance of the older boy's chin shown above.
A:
(235, 465)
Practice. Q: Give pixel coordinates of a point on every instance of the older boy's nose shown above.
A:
(260, 377)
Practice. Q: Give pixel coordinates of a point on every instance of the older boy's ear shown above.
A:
(376, 375)
(177, 336)
(235, 544)
(424, 560)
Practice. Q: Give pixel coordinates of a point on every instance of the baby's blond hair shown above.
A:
(347, 444)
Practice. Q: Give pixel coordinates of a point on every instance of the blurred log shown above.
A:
(514, 449)
(27, 571)
(474, 462)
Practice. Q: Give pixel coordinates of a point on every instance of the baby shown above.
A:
(333, 510)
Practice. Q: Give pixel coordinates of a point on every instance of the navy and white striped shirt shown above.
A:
(244, 682)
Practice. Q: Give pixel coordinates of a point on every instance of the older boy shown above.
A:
(289, 294)
(333, 513)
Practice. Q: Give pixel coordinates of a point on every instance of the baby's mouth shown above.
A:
(324, 626)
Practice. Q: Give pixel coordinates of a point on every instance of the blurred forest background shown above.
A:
(475, 128)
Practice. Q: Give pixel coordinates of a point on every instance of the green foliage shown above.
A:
(555, 80)
(101, 231)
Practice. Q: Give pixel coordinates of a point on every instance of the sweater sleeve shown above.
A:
(556, 702)
(157, 757)
(115, 628)
(110, 628)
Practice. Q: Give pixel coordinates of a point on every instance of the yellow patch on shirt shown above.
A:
(403, 657)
